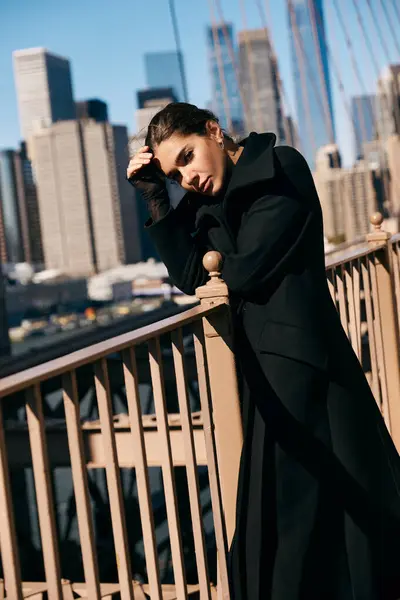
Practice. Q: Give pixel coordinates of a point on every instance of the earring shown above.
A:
(221, 143)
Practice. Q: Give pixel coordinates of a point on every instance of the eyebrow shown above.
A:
(178, 158)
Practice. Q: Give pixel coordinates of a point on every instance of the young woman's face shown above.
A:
(196, 162)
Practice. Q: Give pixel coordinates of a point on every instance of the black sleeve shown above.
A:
(181, 249)
(268, 237)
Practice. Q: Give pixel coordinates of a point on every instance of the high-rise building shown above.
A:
(20, 235)
(89, 223)
(348, 196)
(328, 178)
(291, 132)
(388, 102)
(311, 76)
(363, 114)
(44, 89)
(225, 90)
(360, 198)
(150, 102)
(166, 69)
(155, 97)
(5, 346)
(393, 157)
(92, 109)
(258, 80)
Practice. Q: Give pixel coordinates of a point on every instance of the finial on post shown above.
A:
(376, 220)
(379, 235)
(212, 262)
(215, 288)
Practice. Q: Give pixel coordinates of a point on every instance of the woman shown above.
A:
(318, 514)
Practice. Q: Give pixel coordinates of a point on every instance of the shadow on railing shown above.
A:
(218, 448)
(365, 287)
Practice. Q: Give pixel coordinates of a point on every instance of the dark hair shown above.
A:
(178, 117)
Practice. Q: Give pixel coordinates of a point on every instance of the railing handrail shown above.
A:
(345, 245)
(18, 381)
(353, 255)
(395, 238)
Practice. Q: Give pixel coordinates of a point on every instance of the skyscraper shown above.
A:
(388, 102)
(155, 97)
(150, 102)
(44, 89)
(88, 220)
(92, 109)
(5, 346)
(363, 116)
(311, 76)
(328, 177)
(20, 235)
(258, 79)
(163, 69)
(348, 196)
(225, 90)
(393, 158)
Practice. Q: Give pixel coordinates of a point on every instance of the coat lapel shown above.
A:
(255, 164)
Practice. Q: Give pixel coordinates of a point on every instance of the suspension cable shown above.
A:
(379, 32)
(357, 72)
(303, 84)
(396, 10)
(253, 78)
(392, 31)
(228, 42)
(283, 99)
(324, 114)
(220, 66)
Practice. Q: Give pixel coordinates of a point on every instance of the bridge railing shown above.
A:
(364, 284)
(218, 448)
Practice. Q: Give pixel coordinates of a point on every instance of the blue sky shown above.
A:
(105, 41)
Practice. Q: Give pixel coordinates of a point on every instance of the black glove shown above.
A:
(150, 182)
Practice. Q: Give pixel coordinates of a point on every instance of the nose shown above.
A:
(188, 176)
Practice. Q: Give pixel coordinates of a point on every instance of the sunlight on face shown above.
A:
(196, 162)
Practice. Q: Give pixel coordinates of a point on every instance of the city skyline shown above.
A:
(105, 73)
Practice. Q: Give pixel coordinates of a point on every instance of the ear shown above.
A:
(214, 130)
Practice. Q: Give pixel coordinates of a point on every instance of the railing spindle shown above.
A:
(215, 488)
(331, 285)
(8, 538)
(342, 299)
(142, 475)
(191, 467)
(79, 476)
(353, 329)
(155, 358)
(44, 496)
(113, 479)
(396, 277)
(376, 388)
(379, 340)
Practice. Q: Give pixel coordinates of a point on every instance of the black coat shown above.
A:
(318, 513)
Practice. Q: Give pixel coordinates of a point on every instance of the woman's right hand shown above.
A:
(142, 157)
(145, 176)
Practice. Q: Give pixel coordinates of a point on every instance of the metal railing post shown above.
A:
(389, 320)
(223, 387)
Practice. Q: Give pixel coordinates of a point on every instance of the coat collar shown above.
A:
(255, 164)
